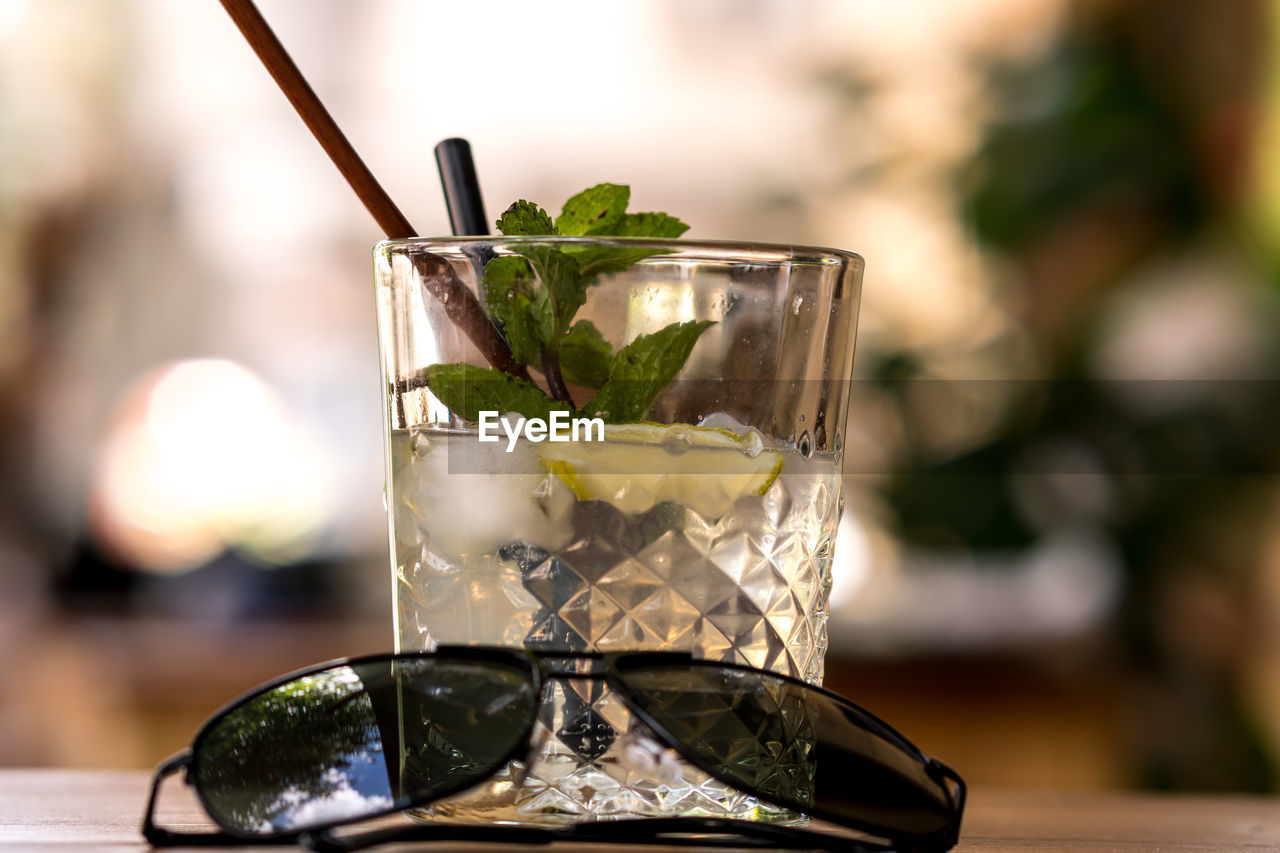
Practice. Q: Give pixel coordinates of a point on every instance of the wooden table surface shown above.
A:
(46, 810)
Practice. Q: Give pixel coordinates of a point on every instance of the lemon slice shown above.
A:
(640, 465)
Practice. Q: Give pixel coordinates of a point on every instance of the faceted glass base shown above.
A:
(596, 761)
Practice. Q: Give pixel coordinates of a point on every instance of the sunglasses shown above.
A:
(344, 742)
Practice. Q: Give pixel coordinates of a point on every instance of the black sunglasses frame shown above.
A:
(541, 667)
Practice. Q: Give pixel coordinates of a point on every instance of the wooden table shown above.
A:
(47, 810)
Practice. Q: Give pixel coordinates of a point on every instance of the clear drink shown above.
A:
(492, 547)
(707, 528)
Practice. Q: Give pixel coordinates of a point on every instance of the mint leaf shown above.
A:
(507, 273)
(660, 225)
(519, 306)
(525, 217)
(585, 356)
(595, 210)
(641, 369)
(467, 389)
(561, 281)
(598, 260)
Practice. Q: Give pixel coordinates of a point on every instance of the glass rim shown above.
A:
(793, 251)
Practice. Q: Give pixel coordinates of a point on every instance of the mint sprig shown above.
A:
(533, 297)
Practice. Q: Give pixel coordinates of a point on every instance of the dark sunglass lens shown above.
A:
(356, 740)
(791, 744)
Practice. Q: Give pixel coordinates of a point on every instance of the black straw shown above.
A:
(461, 188)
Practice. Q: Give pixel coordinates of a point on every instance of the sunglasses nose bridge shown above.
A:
(572, 666)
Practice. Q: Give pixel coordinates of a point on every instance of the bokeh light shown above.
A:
(201, 457)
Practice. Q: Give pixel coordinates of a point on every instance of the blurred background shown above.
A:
(1060, 560)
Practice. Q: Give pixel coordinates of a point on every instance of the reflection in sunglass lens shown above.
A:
(355, 740)
(792, 744)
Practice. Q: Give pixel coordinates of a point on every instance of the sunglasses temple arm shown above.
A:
(720, 832)
(958, 794)
(673, 832)
(155, 835)
(327, 842)
(158, 836)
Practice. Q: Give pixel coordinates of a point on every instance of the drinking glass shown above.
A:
(706, 525)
